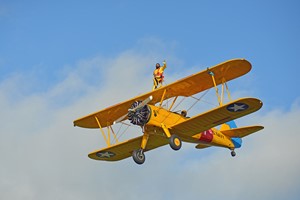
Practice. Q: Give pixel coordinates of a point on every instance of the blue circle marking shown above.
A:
(237, 107)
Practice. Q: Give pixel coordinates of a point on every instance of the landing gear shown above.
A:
(175, 142)
(138, 156)
(233, 153)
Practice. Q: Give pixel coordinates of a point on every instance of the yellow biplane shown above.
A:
(161, 126)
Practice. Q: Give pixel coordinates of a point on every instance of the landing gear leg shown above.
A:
(174, 140)
(138, 154)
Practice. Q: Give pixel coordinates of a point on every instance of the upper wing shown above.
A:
(242, 131)
(217, 116)
(188, 86)
(201, 81)
(124, 150)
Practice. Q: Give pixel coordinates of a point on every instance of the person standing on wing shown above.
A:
(158, 75)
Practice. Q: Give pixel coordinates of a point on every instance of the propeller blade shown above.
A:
(142, 104)
(120, 119)
(134, 109)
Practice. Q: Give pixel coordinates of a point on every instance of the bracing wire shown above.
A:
(197, 99)
(119, 129)
(179, 103)
(122, 130)
(119, 136)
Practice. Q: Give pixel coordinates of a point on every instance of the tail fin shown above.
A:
(230, 126)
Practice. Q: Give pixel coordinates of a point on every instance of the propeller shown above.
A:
(136, 110)
(141, 105)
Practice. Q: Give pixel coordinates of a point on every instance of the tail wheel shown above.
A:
(233, 153)
(138, 156)
(175, 142)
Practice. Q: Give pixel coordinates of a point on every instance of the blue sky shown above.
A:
(60, 60)
(45, 36)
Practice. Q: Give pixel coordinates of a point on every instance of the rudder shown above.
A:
(228, 125)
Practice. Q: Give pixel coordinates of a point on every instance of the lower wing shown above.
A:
(124, 149)
(217, 116)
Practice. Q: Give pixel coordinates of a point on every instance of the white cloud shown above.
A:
(45, 157)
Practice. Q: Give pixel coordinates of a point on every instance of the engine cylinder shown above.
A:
(139, 116)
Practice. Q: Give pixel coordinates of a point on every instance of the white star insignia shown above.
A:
(236, 107)
(105, 154)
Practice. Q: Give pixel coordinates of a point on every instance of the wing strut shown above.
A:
(215, 86)
(227, 90)
(109, 129)
(162, 98)
(174, 100)
(224, 85)
(104, 136)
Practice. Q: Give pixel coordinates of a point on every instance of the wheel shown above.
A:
(175, 142)
(233, 153)
(138, 156)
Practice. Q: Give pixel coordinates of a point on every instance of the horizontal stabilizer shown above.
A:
(201, 146)
(242, 132)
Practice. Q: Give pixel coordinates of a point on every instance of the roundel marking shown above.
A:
(237, 107)
(105, 154)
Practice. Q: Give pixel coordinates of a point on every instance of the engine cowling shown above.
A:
(139, 116)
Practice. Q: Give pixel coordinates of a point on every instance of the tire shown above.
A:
(138, 156)
(233, 153)
(175, 142)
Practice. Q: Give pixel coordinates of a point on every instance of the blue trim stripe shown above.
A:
(237, 142)
(231, 124)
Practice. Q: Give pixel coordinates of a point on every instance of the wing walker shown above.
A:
(161, 126)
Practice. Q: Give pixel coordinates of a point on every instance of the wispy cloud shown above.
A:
(44, 157)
